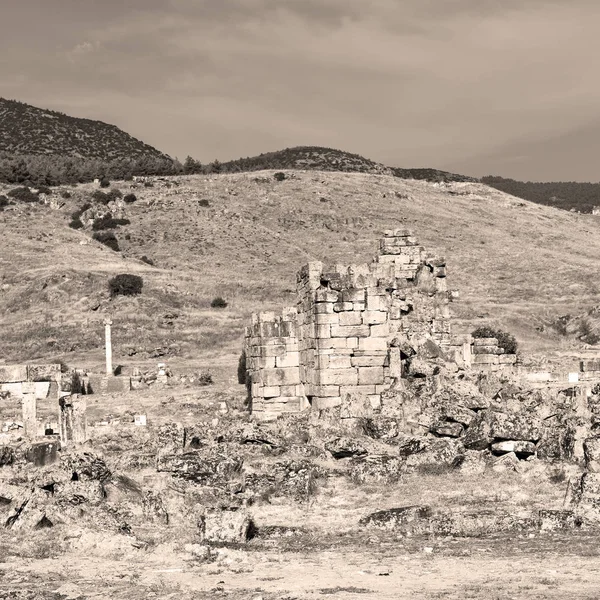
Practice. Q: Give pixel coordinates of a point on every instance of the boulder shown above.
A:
(479, 435)
(552, 520)
(226, 526)
(438, 451)
(472, 462)
(343, 447)
(506, 462)
(200, 467)
(377, 468)
(458, 414)
(44, 453)
(7, 456)
(85, 466)
(521, 426)
(406, 519)
(519, 447)
(447, 429)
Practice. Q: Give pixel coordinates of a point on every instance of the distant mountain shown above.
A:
(329, 159)
(568, 195)
(27, 130)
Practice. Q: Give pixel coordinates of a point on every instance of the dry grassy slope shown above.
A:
(515, 263)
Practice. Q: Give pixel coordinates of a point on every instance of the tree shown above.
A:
(125, 284)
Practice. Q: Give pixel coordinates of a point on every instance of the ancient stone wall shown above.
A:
(347, 333)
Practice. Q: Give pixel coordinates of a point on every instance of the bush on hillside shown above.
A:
(505, 340)
(108, 238)
(218, 302)
(279, 176)
(114, 194)
(4, 201)
(100, 196)
(204, 202)
(44, 189)
(76, 223)
(23, 194)
(147, 260)
(125, 284)
(130, 198)
(65, 195)
(108, 222)
(104, 182)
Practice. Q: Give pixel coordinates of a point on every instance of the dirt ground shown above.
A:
(550, 566)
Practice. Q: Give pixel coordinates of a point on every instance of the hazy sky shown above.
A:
(506, 87)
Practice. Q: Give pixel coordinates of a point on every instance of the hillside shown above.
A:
(27, 130)
(516, 264)
(568, 195)
(328, 159)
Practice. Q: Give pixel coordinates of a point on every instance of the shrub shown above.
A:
(108, 222)
(100, 196)
(130, 198)
(4, 201)
(147, 260)
(44, 189)
(505, 340)
(218, 302)
(114, 194)
(205, 378)
(279, 176)
(148, 184)
(65, 195)
(125, 284)
(107, 238)
(204, 202)
(241, 368)
(76, 223)
(104, 182)
(23, 194)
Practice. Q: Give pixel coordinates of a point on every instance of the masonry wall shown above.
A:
(343, 335)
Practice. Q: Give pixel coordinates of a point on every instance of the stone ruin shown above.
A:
(356, 330)
(33, 382)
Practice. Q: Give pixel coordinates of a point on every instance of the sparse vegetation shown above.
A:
(100, 196)
(4, 201)
(114, 194)
(23, 194)
(104, 182)
(204, 203)
(125, 284)
(505, 340)
(108, 238)
(130, 198)
(279, 176)
(218, 302)
(108, 222)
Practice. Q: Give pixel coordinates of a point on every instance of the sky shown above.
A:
(479, 87)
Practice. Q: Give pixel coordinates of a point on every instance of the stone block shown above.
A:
(13, 373)
(340, 362)
(319, 403)
(327, 318)
(328, 391)
(447, 429)
(507, 359)
(370, 375)
(271, 391)
(342, 306)
(353, 295)
(358, 306)
(323, 331)
(352, 343)
(285, 376)
(323, 308)
(338, 343)
(373, 317)
(382, 330)
(350, 318)
(372, 344)
(339, 377)
(591, 453)
(326, 295)
(355, 390)
(368, 361)
(291, 359)
(485, 342)
(360, 331)
(484, 359)
(42, 454)
(519, 447)
(225, 526)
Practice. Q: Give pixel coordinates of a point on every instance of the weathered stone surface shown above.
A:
(421, 368)
(344, 447)
(473, 462)
(552, 520)
(377, 468)
(85, 466)
(225, 526)
(200, 467)
(447, 429)
(458, 413)
(522, 426)
(438, 451)
(405, 519)
(591, 449)
(506, 462)
(7, 456)
(519, 447)
(43, 453)
(479, 435)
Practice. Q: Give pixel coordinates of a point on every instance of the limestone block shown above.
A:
(353, 295)
(370, 375)
(379, 389)
(368, 361)
(507, 359)
(339, 377)
(447, 429)
(516, 446)
(374, 317)
(375, 400)
(326, 391)
(270, 349)
(488, 350)
(376, 302)
(291, 359)
(360, 331)
(271, 391)
(323, 308)
(373, 344)
(350, 318)
(326, 295)
(352, 342)
(339, 343)
(340, 361)
(364, 390)
(285, 376)
(382, 330)
(327, 318)
(319, 403)
(485, 342)
(342, 306)
(13, 373)
(484, 359)
(358, 306)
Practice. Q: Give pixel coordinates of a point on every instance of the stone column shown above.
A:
(107, 334)
(29, 409)
(73, 423)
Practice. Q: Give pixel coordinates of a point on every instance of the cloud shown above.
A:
(81, 49)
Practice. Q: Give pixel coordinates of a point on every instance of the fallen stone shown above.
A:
(519, 447)
(344, 447)
(44, 453)
(459, 414)
(377, 468)
(226, 526)
(552, 520)
(7, 456)
(447, 429)
(591, 453)
(472, 462)
(405, 519)
(506, 462)
(199, 467)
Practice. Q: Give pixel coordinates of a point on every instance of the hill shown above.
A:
(568, 195)
(27, 130)
(244, 236)
(328, 159)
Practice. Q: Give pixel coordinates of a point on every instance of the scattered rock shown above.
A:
(226, 526)
(343, 447)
